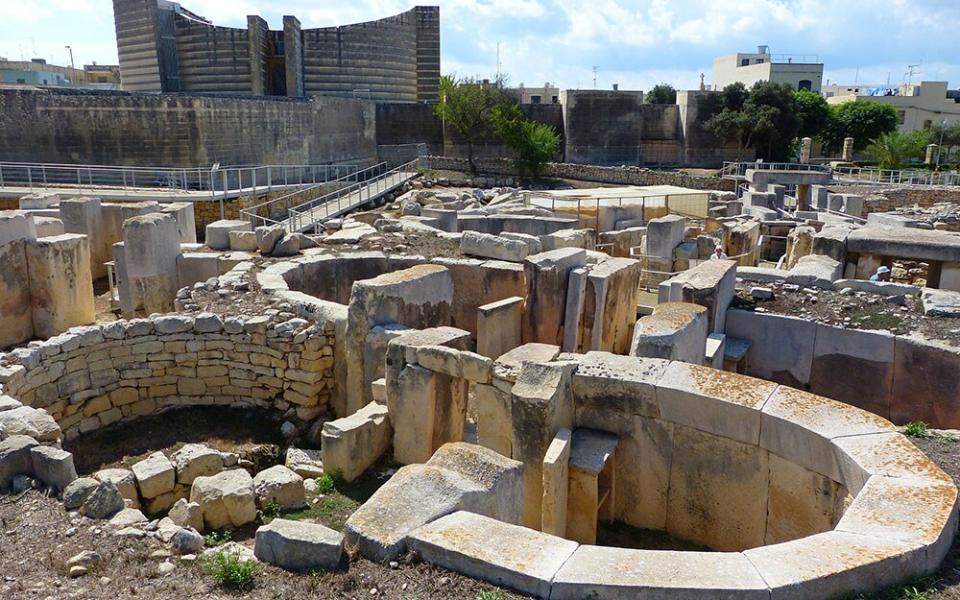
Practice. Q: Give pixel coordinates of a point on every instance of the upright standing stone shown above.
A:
(16, 317)
(547, 276)
(85, 215)
(61, 287)
(151, 246)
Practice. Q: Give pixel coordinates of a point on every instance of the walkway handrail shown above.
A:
(302, 217)
(732, 169)
(896, 176)
(251, 211)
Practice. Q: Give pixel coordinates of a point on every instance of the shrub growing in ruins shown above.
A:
(532, 144)
(916, 429)
(326, 483)
(662, 93)
(230, 570)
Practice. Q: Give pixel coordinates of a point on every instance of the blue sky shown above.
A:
(636, 43)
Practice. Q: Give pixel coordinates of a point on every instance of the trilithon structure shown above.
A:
(164, 47)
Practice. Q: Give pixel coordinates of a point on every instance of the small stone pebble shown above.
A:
(166, 567)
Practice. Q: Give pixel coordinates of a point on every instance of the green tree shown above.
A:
(863, 120)
(467, 106)
(894, 149)
(814, 112)
(765, 118)
(532, 144)
(662, 93)
(945, 135)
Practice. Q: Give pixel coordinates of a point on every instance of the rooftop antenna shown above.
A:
(595, 70)
(911, 71)
(498, 61)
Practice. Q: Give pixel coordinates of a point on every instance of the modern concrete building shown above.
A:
(548, 94)
(919, 105)
(164, 47)
(803, 72)
(38, 72)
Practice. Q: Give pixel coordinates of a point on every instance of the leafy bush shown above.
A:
(491, 595)
(892, 150)
(916, 429)
(662, 93)
(272, 509)
(215, 539)
(532, 144)
(326, 483)
(229, 570)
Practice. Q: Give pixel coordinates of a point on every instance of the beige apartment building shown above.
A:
(919, 105)
(803, 72)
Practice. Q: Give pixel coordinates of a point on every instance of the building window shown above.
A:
(21, 81)
(901, 116)
(760, 61)
(744, 62)
(805, 84)
(927, 123)
(534, 99)
(554, 99)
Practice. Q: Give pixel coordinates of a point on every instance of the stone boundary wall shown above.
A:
(93, 376)
(879, 199)
(899, 377)
(624, 175)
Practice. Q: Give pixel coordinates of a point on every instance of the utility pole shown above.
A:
(70, 48)
(498, 61)
(595, 71)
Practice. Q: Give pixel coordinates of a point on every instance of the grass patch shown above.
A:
(917, 429)
(215, 539)
(335, 505)
(491, 595)
(230, 571)
(272, 509)
(876, 320)
(916, 590)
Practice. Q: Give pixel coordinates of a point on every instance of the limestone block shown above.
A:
(15, 458)
(799, 244)
(267, 237)
(477, 282)
(244, 241)
(187, 514)
(815, 270)
(39, 200)
(781, 347)
(718, 402)
(533, 242)
(16, 225)
(664, 234)
(499, 326)
(151, 245)
(591, 451)
(799, 427)
(502, 554)
(570, 238)
(835, 564)
(414, 414)
(441, 359)
(227, 499)
(475, 367)
(352, 444)
(718, 491)
(800, 502)
(128, 517)
(304, 462)
(493, 417)
(458, 477)
(740, 240)
(546, 275)
(16, 316)
(125, 481)
(280, 485)
(618, 574)
(53, 466)
(625, 384)
(866, 359)
(217, 234)
(85, 216)
(542, 404)
(33, 422)
(675, 331)
(553, 504)
(193, 267)
(61, 285)
(418, 297)
(925, 385)
(610, 305)
(155, 475)
(164, 502)
(491, 246)
(711, 284)
(196, 460)
(884, 454)
(103, 503)
(77, 491)
(298, 546)
(906, 510)
(623, 240)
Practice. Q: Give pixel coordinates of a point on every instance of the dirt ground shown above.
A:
(897, 314)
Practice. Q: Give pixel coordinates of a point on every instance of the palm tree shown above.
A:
(893, 149)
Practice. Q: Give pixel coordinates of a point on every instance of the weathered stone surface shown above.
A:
(675, 331)
(245, 241)
(553, 504)
(104, 502)
(298, 546)
(187, 514)
(800, 502)
(77, 491)
(218, 233)
(196, 460)
(28, 421)
(866, 359)
(53, 466)
(499, 326)
(155, 475)
(16, 319)
(15, 458)
(546, 299)
(622, 573)
(815, 270)
(227, 499)
(279, 485)
(61, 284)
(710, 284)
(885, 454)
(351, 444)
(186, 541)
(304, 462)
(268, 236)
(491, 246)
(128, 517)
(458, 477)
(500, 553)
(781, 346)
(125, 481)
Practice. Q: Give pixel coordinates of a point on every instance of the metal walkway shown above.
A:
(316, 204)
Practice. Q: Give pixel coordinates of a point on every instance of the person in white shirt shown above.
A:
(718, 254)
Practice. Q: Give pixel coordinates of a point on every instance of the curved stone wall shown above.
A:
(91, 377)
